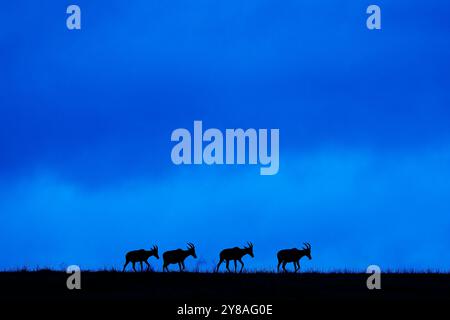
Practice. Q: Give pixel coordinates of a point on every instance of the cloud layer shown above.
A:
(355, 207)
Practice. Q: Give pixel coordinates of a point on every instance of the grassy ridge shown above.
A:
(222, 287)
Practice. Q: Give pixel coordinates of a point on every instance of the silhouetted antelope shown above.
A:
(235, 254)
(140, 256)
(178, 256)
(293, 255)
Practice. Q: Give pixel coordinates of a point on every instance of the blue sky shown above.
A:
(86, 118)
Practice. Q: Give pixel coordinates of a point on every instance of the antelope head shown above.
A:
(249, 249)
(191, 250)
(155, 251)
(307, 250)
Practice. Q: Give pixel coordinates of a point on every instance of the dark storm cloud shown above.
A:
(100, 104)
(86, 117)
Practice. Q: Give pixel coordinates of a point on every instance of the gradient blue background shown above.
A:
(86, 118)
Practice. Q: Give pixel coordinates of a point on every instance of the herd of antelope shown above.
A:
(231, 254)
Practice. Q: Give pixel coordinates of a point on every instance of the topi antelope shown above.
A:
(235, 254)
(140, 256)
(293, 255)
(178, 256)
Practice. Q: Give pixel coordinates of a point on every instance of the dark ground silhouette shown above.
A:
(218, 288)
